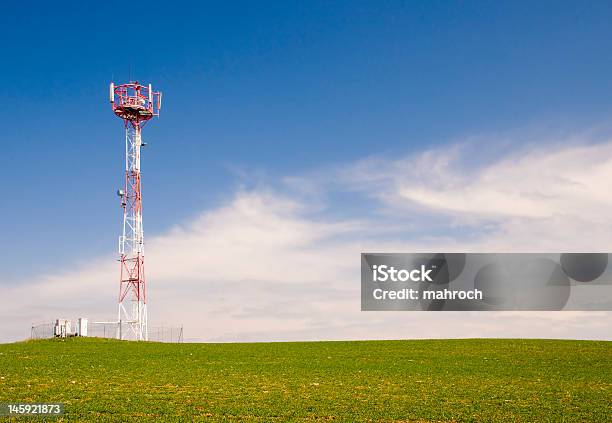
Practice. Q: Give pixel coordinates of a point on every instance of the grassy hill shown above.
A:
(433, 380)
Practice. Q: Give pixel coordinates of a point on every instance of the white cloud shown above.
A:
(545, 198)
(571, 181)
(267, 266)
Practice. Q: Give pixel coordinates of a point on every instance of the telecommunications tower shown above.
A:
(135, 104)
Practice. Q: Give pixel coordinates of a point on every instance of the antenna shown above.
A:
(132, 107)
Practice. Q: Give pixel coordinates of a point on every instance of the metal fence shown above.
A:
(116, 330)
(103, 330)
(166, 334)
(113, 330)
(42, 331)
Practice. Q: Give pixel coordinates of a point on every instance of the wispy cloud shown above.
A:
(549, 197)
(269, 266)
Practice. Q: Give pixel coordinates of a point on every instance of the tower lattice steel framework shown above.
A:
(135, 104)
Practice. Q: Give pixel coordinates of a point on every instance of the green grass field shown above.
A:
(433, 380)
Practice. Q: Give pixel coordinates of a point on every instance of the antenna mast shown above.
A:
(135, 104)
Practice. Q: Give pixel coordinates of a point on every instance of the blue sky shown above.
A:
(255, 93)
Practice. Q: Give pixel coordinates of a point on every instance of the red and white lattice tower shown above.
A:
(135, 104)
